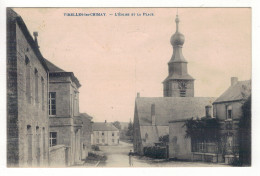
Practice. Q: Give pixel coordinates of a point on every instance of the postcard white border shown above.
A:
(254, 4)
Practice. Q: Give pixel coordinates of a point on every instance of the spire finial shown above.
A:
(177, 20)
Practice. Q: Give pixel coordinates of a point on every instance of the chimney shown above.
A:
(35, 34)
(105, 121)
(153, 114)
(138, 95)
(208, 111)
(234, 80)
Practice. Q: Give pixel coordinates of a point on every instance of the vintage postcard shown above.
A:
(128, 87)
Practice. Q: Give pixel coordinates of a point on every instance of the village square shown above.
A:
(51, 124)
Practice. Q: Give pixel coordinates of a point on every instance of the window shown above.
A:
(103, 133)
(52, 103)
(36, 86)
(113, 134)
(229, 112)
(103, 140)
(29, 145)
(53, 139)
(97, 141)
(183, 93)
(28, 80)
(42, 83)
(97, 133)
(113, 140)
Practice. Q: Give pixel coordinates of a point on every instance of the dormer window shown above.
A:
(228, 112)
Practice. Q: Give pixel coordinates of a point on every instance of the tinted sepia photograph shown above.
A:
(128, 87)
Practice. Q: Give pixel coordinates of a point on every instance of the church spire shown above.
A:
(178, 82)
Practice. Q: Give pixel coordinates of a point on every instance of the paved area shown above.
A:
(117, 156)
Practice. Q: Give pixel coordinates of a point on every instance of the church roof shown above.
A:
(103, 126)
(239, 91)
(170, 108)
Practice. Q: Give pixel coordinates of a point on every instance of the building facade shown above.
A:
(86, 133)
(65, 121)
(105, 134)
(27, 86)
(228, 109)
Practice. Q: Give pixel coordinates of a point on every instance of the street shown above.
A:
(117, 156)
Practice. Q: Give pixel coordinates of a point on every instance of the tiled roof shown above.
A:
(103, 126)
(52, 67)
(170, 108)
(240, 90)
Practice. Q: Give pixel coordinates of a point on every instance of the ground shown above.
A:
(117, 156)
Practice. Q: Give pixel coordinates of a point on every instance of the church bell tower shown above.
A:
(178, 83)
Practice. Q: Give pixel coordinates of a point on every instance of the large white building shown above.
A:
(105, 134)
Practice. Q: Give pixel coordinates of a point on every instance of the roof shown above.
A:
(52, 67)
(177, 76)
(239, 91)
(85, 115)
(103, 126)
(13, 16)
(56, 71)
(170, 108)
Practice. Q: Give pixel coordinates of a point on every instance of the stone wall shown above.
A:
(27, 118)
(179, 146)
(58, 156)
(68, 133)
(219, 110)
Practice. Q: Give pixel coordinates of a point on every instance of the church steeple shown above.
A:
(179, 82)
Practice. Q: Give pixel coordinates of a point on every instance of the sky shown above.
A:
(114, 57)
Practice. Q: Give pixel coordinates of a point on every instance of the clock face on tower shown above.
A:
(182, 85)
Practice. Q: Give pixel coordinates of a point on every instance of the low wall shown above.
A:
(58, 156)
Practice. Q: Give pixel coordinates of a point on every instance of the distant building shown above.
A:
(27, 86)
(86, 133)
(152, 115)
(65, 120)
(105, 134)
(228, 109)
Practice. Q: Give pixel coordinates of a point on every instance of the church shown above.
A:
(153, 114)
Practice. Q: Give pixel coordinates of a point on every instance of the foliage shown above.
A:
(245, 133)
(155, 152)
(95, 147)
(117, 125)
(164, 139)
(130, 129)
(205, 129)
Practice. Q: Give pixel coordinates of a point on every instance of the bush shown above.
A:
(236, 162)
(95, 147)
(155, 152)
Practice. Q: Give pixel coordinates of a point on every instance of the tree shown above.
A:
(117, 125)
(245, 133)
(130, 130)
